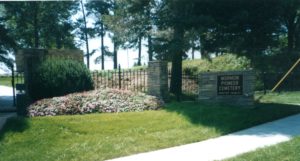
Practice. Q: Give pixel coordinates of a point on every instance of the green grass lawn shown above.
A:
(282, 97)
(287, 151)
(5, 81)
(106, 136)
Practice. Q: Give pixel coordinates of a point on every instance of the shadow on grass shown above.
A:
(226, 119)
(14, 125)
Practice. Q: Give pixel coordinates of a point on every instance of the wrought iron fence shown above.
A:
(17, 82)
(134, 80)
(190, 83)
(18, 77)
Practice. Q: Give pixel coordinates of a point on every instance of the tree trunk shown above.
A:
(58, 42)
(202, 50)
(35, 24)
(150, 50)
(291, 36)
(140, 51)
(102, 46)
(177, 51)
(86, 37)
(193, 52)
(297, 40)
(291, 26)
(115, 56)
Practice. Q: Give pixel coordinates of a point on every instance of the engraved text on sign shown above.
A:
(230, 85)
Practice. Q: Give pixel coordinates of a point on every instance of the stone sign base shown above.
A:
(233, 87)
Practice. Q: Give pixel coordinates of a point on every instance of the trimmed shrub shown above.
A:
(226, 62)
(57, 77)
(101, 101)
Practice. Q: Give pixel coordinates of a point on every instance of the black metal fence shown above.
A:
(135, 80)
(190, 83)
(18, 77)
(17, 81)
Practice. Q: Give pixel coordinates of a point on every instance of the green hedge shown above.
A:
(226, 62)
(57, 77)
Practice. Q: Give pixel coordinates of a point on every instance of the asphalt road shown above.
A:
(6, 99)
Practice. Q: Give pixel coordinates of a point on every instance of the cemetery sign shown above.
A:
(230, 85)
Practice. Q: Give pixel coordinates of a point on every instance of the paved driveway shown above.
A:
(6, 99)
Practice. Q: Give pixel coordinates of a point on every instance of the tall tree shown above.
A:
(31, 23)
(116, 28)
(99, 9)
(290, 15)
(7, 45)
(58, 25)
(35, 25)
(136, 18)
(177, 16)
(142, 24)
(85, 32)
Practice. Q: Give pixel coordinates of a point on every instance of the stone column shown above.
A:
(158, 79)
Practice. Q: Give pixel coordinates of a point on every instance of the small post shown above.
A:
(264, 82)
(13, 84)
(119, 76)
(97, 79)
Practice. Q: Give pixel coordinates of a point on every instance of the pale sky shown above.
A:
(126, 58)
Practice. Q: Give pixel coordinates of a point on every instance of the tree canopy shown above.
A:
(265, 31)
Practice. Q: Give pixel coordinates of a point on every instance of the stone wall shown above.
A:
(234, 87)
(158, 79)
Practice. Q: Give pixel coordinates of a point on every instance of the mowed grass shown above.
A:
(107, 136)
(5, 81)
(287, 151)
(280, 97)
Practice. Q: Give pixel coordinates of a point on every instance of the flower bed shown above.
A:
(104, 100)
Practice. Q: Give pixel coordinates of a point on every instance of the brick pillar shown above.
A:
(158, 79)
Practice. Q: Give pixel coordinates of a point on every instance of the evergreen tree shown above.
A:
(98, 9)
(41, 24)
